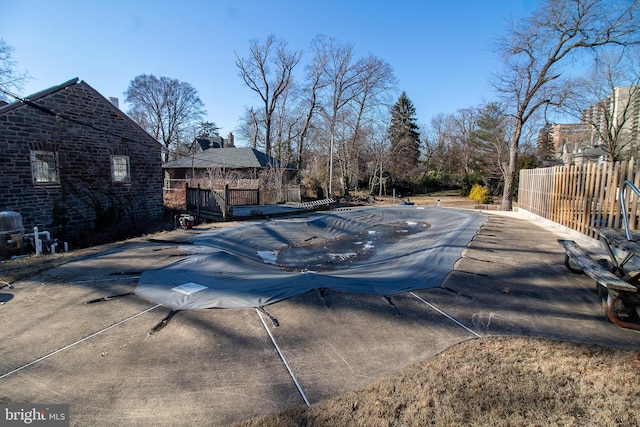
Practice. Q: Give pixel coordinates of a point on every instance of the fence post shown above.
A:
(199, 199)
(226, 202)
(186, 196)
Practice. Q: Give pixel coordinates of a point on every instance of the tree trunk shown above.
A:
(510, 173)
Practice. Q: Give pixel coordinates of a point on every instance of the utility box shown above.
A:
(11, 233)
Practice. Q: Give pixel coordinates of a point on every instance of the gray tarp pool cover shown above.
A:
(381, 251)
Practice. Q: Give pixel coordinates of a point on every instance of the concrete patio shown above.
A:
(219, 367)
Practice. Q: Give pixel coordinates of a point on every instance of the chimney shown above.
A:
(114, 101)
(230, 139)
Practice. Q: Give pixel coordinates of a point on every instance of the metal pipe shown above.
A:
(623, 206)
(614, 319)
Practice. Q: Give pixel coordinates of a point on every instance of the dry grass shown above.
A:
(492, 382)
(445, 199)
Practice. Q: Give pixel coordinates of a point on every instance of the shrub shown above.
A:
(480, 194)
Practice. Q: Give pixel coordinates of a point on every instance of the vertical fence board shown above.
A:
(580, 197)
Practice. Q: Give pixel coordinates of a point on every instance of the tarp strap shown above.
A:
(273, 319)
(320, 292)
(107, 298)
(395, 309)
(163, 323)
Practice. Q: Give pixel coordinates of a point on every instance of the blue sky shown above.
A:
(439, 50)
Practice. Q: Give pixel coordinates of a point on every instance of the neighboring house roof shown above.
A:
(231, 158)
(31, 102)
(210, 142)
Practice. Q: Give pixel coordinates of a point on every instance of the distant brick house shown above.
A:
(243, 162)
(238, 168)
(72, 163)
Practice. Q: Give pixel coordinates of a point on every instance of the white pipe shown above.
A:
(37, 240)
(47, 234)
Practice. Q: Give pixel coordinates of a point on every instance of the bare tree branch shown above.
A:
(165, 107)
(267, 71)
(536, 47)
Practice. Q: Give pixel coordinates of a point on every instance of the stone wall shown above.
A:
(86, 206)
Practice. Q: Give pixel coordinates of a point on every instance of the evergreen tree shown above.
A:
(492, 135)
(546, 151)
(405, 141)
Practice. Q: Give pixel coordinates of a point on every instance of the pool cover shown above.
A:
(382, 251)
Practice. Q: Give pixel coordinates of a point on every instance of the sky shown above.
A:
(440, 50)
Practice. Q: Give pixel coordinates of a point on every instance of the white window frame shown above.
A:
(44, 167)
(120, 170)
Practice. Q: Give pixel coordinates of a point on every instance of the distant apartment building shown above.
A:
(608, 129)
(615, 121)
(572, 143)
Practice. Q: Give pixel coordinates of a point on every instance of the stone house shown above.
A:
(72, 163)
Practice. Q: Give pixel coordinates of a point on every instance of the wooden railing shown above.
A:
(218, 204)
(214, 204)
(580, 197)
(207, 203)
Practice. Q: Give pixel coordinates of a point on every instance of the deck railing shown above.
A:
(219, 203)
(206, 202)
(580, 197)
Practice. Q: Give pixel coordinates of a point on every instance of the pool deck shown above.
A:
(241, 213)
(220, 367)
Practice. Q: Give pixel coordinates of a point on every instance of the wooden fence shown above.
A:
(580, 197)
(216, 204)
(205, 203)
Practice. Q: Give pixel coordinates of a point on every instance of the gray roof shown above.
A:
(36, 96)
(30, 101)
(231, 157)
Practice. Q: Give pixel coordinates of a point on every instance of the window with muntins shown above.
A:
(44, 167)
(120, 169)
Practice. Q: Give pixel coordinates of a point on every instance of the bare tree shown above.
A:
(250, 128)
(492, 133)
(286, 125)
(608, 99)
(164, 107)
(535, 49)
(378, 147)
(465, 122)
(439, 142)
(10, 79)
(267, 72)
(349, 89)
(342, 79)
(310, 102)
(376, 78)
